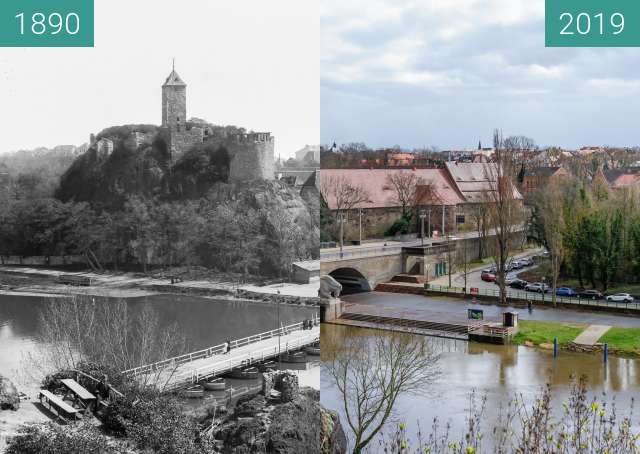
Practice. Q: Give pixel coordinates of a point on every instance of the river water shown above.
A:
(204, 322)
(494, 371)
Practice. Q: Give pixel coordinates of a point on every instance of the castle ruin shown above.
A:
(251, 155)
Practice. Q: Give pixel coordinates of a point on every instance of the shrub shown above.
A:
(51, 438)
(400, 226)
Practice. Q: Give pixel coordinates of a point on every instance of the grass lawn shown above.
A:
(625, 340)
(544, 332)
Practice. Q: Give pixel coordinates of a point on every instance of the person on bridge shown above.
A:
(228, 346)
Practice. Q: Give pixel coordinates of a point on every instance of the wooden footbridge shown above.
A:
(183, 370)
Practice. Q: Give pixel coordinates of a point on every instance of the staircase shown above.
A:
(454, 328)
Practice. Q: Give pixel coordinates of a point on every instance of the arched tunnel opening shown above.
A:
(352, 281)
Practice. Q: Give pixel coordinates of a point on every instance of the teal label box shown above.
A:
(592, 23)
(46, 23)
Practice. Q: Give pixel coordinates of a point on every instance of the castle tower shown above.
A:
(174, 102)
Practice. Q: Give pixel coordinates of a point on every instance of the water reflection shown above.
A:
(499, 372)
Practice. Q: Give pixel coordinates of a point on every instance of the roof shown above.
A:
(541, 171)
(174, 80)
(474, 179)
(622, 177)
(309, 265)
(381, 194)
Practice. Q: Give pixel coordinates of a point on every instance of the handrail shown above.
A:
(216, 349)
(195, 375)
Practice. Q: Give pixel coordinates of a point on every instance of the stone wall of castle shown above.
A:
(178, 142)
(137, 139)
(251, 156)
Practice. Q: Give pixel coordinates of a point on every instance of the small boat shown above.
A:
(268, 366)
(214, 384)
(194, 392)
(313, 350)
(294, 357)
(244, 372)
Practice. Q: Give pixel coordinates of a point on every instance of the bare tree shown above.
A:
(480, 216)
(79, 328)
(505, 206)
(405, 185)
(341, 193)
(553, 224)
(370, 374)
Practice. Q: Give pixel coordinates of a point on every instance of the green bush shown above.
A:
(400, 226)
(51, 438)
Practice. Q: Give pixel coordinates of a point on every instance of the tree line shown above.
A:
(592, 232)
(224, 235)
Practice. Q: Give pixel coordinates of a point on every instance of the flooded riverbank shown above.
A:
(495, 371)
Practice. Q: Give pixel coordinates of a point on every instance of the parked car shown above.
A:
(620, 297)
(509, 278)
(590, 294)
(518, 284)
(488, 277)
(526, 261)
(566, 291)
(516, 264)
(539, 287)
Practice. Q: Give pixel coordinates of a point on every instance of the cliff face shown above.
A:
(137, 161)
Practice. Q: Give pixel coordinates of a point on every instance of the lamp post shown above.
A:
(422, 216)
(279, 332)
(342, 221)
(360, 224)
(429, 222)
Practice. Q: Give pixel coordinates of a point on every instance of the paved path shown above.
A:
(403, 302)
(591, 335)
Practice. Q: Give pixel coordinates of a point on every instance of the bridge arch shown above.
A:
(352, 280)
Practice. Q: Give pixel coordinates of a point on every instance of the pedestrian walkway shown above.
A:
(591, 335)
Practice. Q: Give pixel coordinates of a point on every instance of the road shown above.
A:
(488, 288)
(402, 302)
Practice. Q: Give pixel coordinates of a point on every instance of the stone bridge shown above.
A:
(361, 268)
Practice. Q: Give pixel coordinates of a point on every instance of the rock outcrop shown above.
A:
(289, 424)
(332, 438)
(9, 397)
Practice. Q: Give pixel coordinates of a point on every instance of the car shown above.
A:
(590, 294)
(566, 291)
(488, 277)
(539, 287)
(518, 284)
(526, 261)
(509, 278)
(620, 297)
(516, 264)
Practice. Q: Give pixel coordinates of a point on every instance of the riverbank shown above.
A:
(624, 342)
(18, 280)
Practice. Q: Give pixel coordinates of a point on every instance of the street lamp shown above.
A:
(360, 224)
(341, 221)
(279, 332)
(422, 216)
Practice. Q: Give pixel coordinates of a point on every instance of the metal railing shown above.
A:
(216, 349)
(533, 296)
(256, 356)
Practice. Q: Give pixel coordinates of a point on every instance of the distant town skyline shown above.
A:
(59, 96)
(432, 72)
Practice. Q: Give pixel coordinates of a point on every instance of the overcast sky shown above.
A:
(249, 63)
(446, 73)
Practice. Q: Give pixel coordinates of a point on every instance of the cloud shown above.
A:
(449, 60)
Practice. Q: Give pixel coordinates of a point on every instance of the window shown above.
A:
(459, 218)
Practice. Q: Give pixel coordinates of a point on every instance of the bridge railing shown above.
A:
(256, 356)
(524, 295)
(215, 350)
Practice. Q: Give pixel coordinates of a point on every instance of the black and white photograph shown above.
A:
(159, 233)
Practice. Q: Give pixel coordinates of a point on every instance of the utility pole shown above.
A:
(279, 333)
(443, 231)
(429, 223)
(342, 221)
(422, 216)
(360, 213)
(449, 257)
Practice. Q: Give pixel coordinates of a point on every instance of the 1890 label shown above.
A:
(46, 23)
